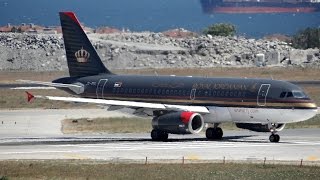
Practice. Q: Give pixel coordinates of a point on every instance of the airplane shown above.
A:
(178, 105)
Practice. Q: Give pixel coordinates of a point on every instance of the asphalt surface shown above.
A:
(235, 146)
(36, 134)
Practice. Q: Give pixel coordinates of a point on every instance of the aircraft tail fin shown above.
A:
(82, 58)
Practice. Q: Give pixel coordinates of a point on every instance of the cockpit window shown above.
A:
(299, 94)
(294, 94)
(283, 94)
(290, 94)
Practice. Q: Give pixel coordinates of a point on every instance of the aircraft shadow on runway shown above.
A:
(102, 140)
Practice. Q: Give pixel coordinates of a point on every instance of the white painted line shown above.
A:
(28, 88)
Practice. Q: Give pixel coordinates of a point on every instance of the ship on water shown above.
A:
(260, 6)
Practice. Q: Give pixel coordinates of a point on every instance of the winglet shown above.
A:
(29, 96)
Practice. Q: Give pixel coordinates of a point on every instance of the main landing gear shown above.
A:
(214, 133)
(158, 135)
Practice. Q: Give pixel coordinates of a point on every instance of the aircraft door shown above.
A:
(193, 94)
(100, 87)
(262, 94)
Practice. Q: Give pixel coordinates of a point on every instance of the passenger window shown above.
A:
(289, 94)
(184, 92)
(138, 91)
(134, 91)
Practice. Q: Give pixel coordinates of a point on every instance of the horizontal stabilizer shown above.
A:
(77, 88)
(29, 96)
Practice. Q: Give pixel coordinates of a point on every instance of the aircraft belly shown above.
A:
(267, 115)
(217, 115)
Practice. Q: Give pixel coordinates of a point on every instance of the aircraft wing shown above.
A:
(129, 104)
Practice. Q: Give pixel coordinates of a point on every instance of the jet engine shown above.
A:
(179, 122)
(261, 127)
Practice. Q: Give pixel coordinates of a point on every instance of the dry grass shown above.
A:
(313, 92)
(143, 125)
(11, 77)
(75, 169)
(281, 73)
(311, 123)
(106, 125)
(16, 98)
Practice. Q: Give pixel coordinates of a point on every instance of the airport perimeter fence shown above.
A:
(265, 161)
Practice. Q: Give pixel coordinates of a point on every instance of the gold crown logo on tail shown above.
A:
(82, 55)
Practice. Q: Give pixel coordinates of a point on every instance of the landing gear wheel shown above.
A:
(214, 133)
(158, 135)
(219, 133)
(274, 138)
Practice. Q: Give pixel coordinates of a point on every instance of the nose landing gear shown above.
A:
(274, 138)
(273, 129)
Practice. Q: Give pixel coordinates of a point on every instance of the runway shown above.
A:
(296, 144)
(36, 134)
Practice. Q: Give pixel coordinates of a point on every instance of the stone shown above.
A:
(272, 58)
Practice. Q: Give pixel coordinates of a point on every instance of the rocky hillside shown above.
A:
(43, 52)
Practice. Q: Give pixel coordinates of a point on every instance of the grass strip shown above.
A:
(76, 169)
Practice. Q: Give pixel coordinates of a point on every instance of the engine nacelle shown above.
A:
(179, 123)
(260, 127)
